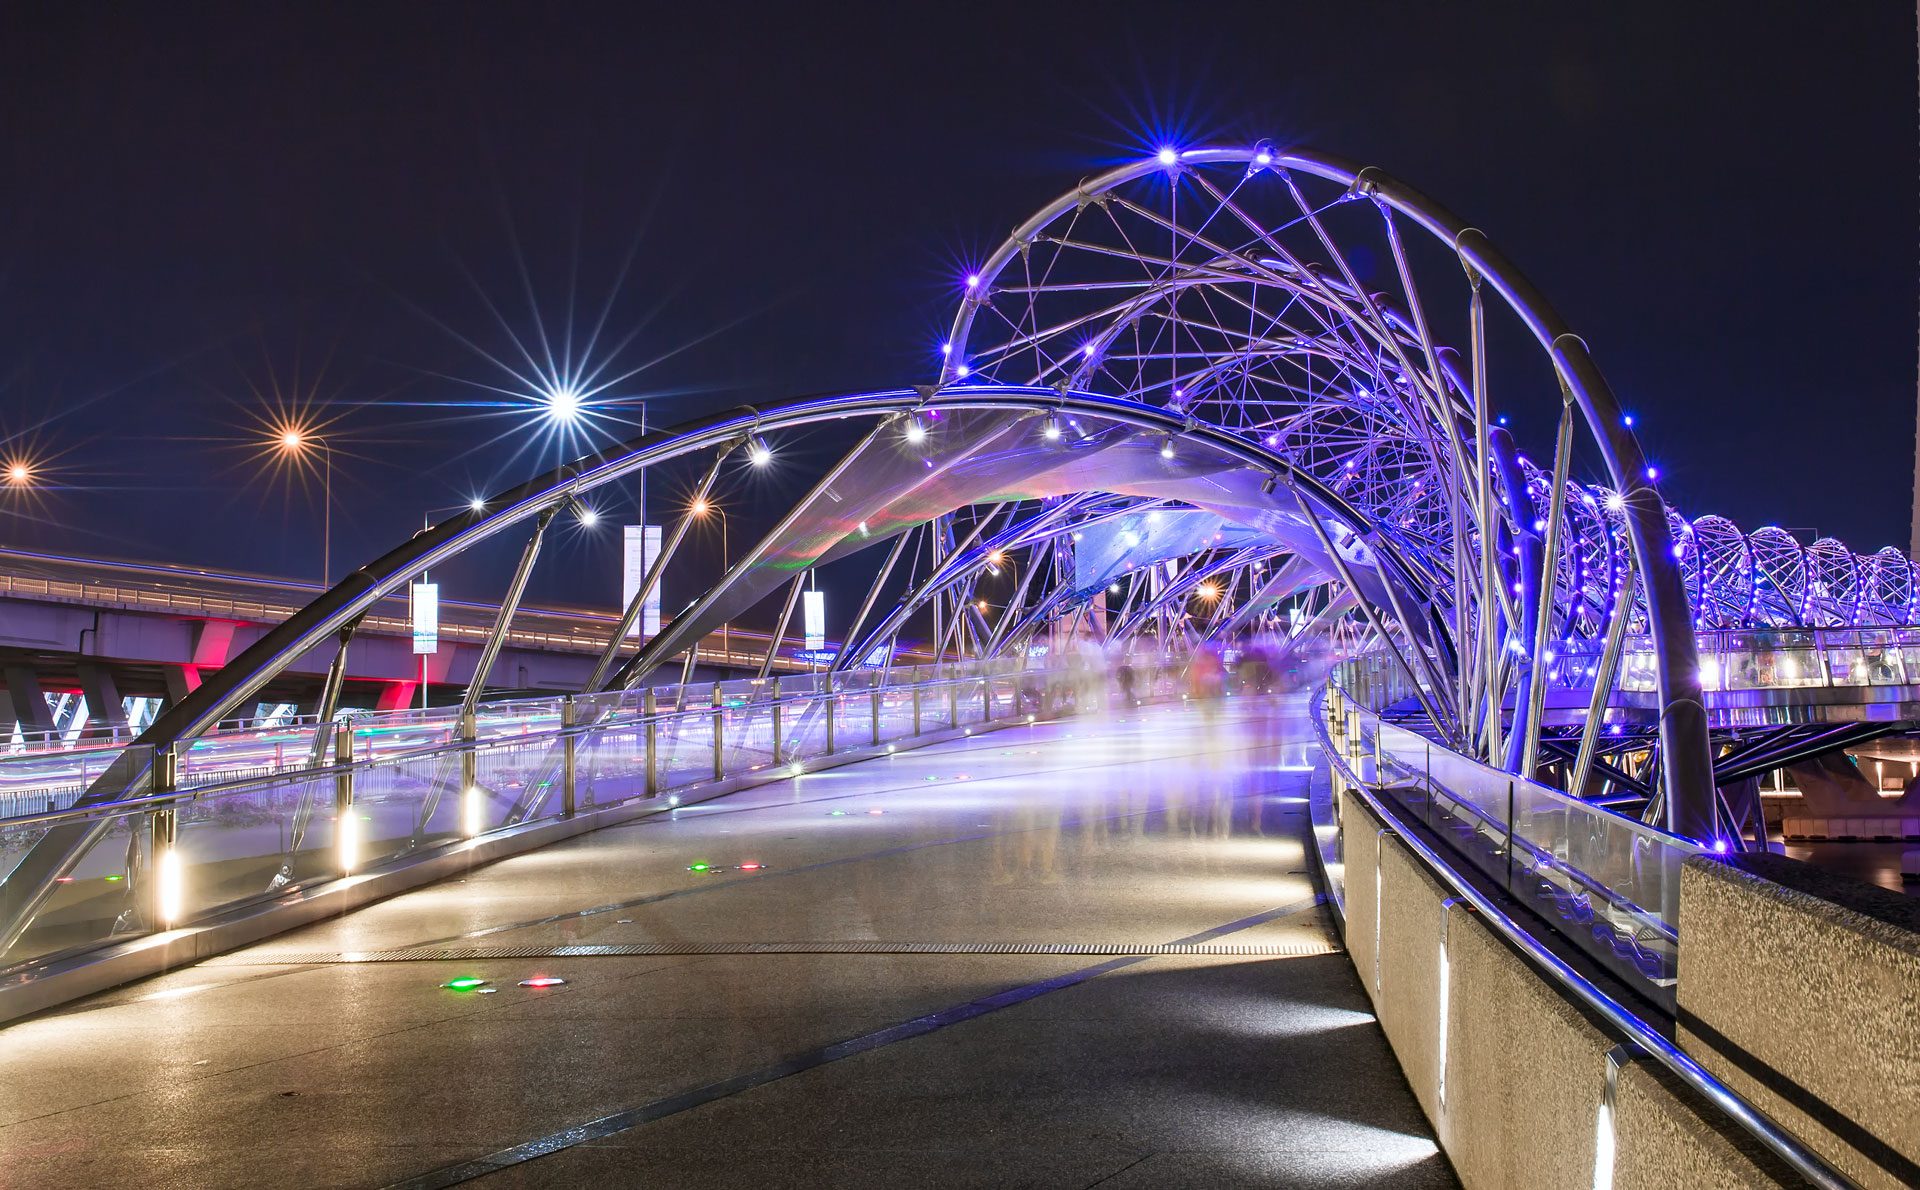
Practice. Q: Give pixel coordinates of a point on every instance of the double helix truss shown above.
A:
(1352, 326)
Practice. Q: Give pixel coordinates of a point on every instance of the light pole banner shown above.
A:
(640, 546)
(424, 607)
(813, 605)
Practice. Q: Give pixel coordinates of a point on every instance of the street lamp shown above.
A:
(294, 443)
(700, 508)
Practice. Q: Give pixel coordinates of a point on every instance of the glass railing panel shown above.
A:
(1638, 668)
(1740, 669)
(1847, 666)
(238, 844)
(612, 762)
(1006, 696)
(399, 806)
(896, 713)
(238, 841)
(803, 730)
(105, 895)
(509, 780)
(748, 735)
(1609, 884)
(685, 748)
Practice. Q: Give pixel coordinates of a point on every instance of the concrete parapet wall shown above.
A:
(1801, 991)
(1413, 905)
(1516, 1079)
(1526, 1070)
(1664, 1140)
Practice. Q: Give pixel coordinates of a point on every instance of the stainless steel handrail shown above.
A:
(1751, 1120)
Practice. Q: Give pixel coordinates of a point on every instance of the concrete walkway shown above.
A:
(936, 969)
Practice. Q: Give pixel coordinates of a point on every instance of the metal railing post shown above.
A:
(719, 732)
(828, 679)
(953, 701)
(876, 710)
(163, 831)
(779, 745)
(469, 756)
(916, 702)
(650, 716)
(1509, 838)
(569, 757)
(346, 844)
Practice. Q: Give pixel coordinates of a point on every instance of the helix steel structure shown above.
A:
(1352, 325)
(1766, 579)
(1191, 393)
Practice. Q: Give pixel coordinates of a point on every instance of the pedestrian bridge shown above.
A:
(1250, 617)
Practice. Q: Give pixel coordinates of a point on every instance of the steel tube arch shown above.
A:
(537, 501)
(1687, 772)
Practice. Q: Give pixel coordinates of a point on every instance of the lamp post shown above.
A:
(701, 508)
(295, 442)
(476, 504)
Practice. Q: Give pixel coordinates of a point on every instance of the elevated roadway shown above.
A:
(109, 630)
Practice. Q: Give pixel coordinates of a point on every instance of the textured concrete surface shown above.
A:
(1409, 1001)
(1664, 1142)
(1216, 1070)
(1822, 995)
(1525, 1070)
(1360, 845)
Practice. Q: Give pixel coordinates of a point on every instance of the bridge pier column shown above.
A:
(103, 697)
(29, 702)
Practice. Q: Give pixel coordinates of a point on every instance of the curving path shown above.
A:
(945, 968)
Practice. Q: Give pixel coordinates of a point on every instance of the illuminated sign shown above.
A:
(814, 607)
(641, 545)
(425, 610)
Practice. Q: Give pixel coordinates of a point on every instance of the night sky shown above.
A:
(209, 213)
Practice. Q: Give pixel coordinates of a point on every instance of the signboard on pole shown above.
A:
(813, 606)
(424, 607)
(641, 546)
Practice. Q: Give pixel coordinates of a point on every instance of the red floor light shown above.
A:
(542, 981)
